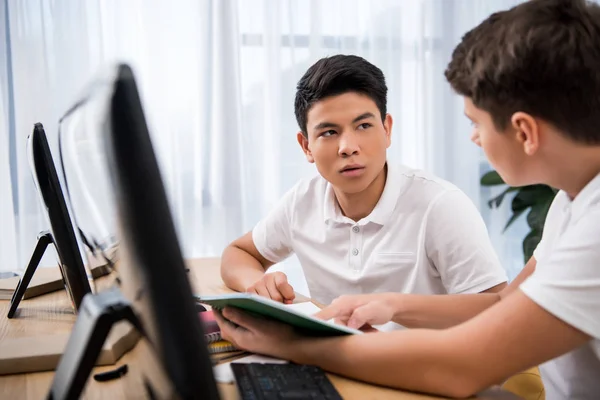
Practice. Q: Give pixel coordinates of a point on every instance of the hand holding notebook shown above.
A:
(268, 308)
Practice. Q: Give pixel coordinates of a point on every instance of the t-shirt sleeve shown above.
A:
(458, 245)
(539, 249)
(566, 282)
(272, 235)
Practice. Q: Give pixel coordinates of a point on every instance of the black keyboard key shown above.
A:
(282, 381)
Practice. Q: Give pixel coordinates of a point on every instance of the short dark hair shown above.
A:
(331, 76)
(541, 57)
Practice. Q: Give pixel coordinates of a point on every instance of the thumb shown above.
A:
(365, 314)
(286, 290)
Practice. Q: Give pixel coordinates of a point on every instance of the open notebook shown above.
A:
(299, 318)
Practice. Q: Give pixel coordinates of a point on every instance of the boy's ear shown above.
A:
(303, 142)
(527, 131)
(387, 126)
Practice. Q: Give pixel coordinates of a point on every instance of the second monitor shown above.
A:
(61, 234)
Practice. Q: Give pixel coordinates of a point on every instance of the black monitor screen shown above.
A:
(121, 166)
(46, 180)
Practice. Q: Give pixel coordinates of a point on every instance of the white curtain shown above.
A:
(217, 78)
(8, 233)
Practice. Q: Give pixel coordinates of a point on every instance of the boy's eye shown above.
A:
(364, 125)
(328, 133)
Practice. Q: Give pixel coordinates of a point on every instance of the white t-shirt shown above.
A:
(566, 283)
(423, 236)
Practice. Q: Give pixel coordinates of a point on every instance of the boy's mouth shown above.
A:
(352, 170)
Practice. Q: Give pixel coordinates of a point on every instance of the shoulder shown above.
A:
(424, 178)
(422, 189)
(307, 191)
(575, 242)
(560, 201)
(566, 279)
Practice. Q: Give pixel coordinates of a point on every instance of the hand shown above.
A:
(256, 334)
(274, 286)
(358, 311)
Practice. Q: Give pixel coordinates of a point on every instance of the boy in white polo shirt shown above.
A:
(530, 78)
(362, 225)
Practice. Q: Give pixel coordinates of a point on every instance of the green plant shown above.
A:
(535, 198)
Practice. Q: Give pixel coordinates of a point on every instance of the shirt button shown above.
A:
(355, 252)
(355, 229)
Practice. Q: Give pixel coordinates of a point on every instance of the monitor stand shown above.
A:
(43, 240)
(99, 312)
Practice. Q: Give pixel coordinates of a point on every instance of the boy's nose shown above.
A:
(348, 145)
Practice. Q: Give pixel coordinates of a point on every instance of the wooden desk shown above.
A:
(51, 314)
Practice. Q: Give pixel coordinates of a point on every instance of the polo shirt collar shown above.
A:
(383, 209)
(588, 196)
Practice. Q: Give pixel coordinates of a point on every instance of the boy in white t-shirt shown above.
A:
(362, 225)
(530, 78)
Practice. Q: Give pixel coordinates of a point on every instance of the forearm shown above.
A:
(415, 360)
(438, 311)
(239, 270)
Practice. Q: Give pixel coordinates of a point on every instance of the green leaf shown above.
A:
(537, 216)
(537, 198)
(530, 243)
(496, 201)
(512, 219)
(491, 178)
(528, 196)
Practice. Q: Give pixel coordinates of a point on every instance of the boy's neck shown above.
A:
(574, 170)
(356, 206)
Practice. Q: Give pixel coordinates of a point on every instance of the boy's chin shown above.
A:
(516, 181)
(349, 186)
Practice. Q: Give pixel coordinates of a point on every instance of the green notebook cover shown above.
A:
(275, 310)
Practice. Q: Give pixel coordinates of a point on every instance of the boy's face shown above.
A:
(506, 151)
(347, 140)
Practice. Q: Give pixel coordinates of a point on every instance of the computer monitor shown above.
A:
(62, 234)
(86, 185)
(153, 278)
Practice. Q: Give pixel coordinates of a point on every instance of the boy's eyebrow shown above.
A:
(325, 124)
(468, 116)
(363, 116)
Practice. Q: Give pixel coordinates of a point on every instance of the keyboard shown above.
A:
(257, 381)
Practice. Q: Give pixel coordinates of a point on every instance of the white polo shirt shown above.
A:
(423, 236)
(566, 283)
